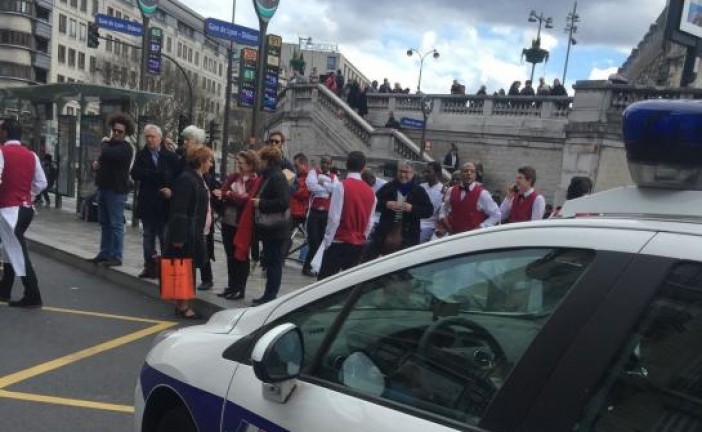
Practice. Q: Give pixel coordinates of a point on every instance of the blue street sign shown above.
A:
(119, 25)
(410, 123)
(231, 32)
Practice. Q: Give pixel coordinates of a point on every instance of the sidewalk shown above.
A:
(60, 235)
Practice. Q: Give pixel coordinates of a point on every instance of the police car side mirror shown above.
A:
(277, 360)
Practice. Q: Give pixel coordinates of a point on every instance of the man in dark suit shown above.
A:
(155, 168)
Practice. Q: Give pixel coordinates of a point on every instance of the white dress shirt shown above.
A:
(320, 185)
(436, 196)
(537, 210)
(336, 207)
(486, 204)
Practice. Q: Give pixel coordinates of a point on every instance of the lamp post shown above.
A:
(434, 54)
(571, 27)
(265, 9)
(535, 54)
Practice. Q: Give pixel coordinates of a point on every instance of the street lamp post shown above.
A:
(535, 54)
(265, 9)
(411, 51)
(571, 27)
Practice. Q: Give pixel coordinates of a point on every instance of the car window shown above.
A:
(442, 337)
(655, 383)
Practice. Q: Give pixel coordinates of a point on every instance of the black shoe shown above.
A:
(236, 295)
(187, 314)
(148, 273)
(227, 291)
(308, 272)
(204, 286)
(24, 302)
(111, 262)
(260, 301)
(97, 260)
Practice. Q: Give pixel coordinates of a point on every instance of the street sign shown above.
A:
(274, 44)
(265, 9)
(119, 25)
(155, 43)
(410, 123)
(231, 32)
(247, 77)
(148, 7)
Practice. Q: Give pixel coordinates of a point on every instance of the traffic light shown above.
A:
(183, 122)
(214, 131)
(93, 35)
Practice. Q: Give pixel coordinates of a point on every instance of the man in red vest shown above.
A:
(468, 206)
(21, 178)
(350, 219)
(320, 182)
(523, 202)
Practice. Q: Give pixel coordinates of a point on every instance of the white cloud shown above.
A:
(602, 74)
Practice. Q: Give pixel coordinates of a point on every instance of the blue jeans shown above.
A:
(154, 228)
(111, 218)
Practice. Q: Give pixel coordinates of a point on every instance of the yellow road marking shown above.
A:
(40, 369)
(66, 401)
(103, 315)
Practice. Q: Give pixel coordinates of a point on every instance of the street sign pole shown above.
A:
(227, 114)
(265, 9)
(427, 108)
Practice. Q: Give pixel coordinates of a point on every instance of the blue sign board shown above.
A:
(231, 32)
(410, 123)
(119, 25)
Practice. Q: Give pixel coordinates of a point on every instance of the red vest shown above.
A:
(322, 203)
(465, 215)
(521, 207)
(300, 199)
(356, 212)
(16, 186)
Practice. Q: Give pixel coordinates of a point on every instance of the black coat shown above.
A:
(188, 214)
(274, 198)
(151, 205)
(421, 208)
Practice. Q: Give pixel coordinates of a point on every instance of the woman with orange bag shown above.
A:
(189, 222)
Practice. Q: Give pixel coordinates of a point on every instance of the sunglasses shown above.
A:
(118, 131)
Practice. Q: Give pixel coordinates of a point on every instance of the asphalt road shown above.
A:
(72, 366)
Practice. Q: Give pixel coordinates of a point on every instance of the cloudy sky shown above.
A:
(480, 41)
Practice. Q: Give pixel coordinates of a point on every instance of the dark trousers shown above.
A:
(154, 228)
(237, 271)
(31, 286)
(316, 225)
(273, 256)
(339, 257)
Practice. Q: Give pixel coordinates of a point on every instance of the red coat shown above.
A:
(300, 199)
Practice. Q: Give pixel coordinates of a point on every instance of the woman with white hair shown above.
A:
(193, 136)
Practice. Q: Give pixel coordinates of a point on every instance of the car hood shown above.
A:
(220, 323)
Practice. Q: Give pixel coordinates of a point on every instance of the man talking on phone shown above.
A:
(523, 202)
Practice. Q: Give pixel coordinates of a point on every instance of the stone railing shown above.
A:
(625, 95)
(352, 121)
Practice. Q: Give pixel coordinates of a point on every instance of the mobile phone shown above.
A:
(515, 188)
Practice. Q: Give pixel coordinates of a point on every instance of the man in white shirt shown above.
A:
(436, 190)
(523, 202)
(320, 182)
(468, 205)
(21, 178)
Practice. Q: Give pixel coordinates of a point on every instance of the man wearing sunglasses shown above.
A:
(112, 179)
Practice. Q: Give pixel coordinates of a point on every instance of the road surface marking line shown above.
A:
(103, 315)
(53, 400)
(43, 368)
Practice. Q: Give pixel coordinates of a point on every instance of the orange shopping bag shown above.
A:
(177, 279)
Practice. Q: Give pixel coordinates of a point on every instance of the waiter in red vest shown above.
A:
(350, 219)
(320, 182)
(468, 206)
(523, 202)
(21, 178)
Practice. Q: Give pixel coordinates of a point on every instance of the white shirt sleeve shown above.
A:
(2, 165)
(488, 206)
(445, 209)
(506, 207)
(313, 184)
(371, 219)
(334, 218)
(39, 182)
(537, 210)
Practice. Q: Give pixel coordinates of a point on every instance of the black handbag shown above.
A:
(271, 221)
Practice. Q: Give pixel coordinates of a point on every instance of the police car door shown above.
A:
(423, 348)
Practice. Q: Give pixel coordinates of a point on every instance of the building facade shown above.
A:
(25, 34)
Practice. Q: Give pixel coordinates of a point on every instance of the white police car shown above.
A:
(577, 324)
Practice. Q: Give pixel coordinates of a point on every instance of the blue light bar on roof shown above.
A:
(663, 140)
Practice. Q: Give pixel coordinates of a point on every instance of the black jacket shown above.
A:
(274, 198)
(151, 205)
(114, 160)
(188, 214)
(421, 208)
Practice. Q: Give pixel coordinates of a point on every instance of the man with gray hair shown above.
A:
(155, 169)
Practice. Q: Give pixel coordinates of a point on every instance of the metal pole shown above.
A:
(260, 75)
(144, 52)
(227, 114)
(423, 141)
(421, 66)
(570, 42)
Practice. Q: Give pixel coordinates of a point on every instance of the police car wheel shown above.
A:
(176, 420)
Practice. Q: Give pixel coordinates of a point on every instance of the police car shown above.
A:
(591, 322)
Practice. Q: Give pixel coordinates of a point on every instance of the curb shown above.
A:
(118, 277)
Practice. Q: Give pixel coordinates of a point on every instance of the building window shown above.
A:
(70, 111)
(84, 5)
(81, 61)
(72, 28)
(96, 6)
(16, 38)
(16, 70)
(180, 49)
(220, 69)
(83, 32)
(71, 57)
(61, 54)
(197, 58)
(169, 43)
(74, 4)
(190, 55)
(60, 78)
(125, 51)
(63, 23)
(110, 11)
(93, 64)
(108, 45)
(118, 14)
